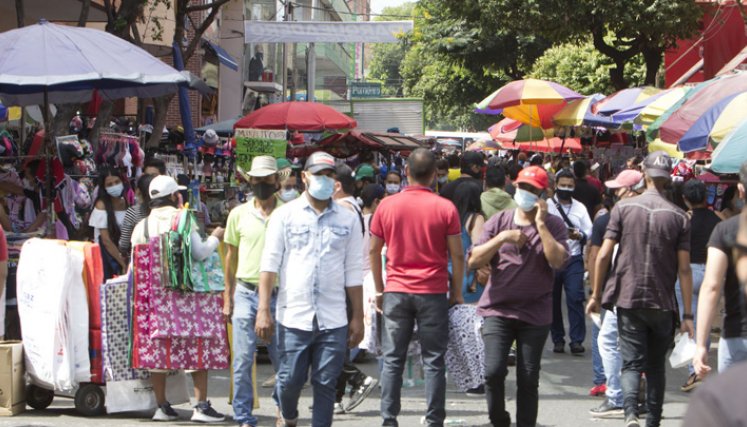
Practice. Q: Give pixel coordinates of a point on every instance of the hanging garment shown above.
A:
(465, 354)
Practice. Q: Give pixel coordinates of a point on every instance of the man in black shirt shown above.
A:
(471, 165)
(584, 191)
(702, 223)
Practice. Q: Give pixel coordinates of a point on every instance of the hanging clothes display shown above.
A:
(465, 354)
(121, 151)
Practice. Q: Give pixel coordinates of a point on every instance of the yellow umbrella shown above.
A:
(573, 113)
(671, 149)
(655, 109)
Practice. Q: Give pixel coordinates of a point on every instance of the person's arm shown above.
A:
(4, 218)
(229, 279)
(374, 256)
(12, 188)
(482, 254)
(272, 260)
(477, 227)
(125, 233)
(710, 292)
(354, 283)
(686, 285)
(555, 253)
(111, 248)
(456, 251)
(592, 254)
(202, 249)
(740, 252)
(586, 226)
(601, 267)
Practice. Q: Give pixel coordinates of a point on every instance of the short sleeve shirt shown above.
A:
(521, 279)
(598, 229)
(245, 229)
(415, 225)
(723, 238)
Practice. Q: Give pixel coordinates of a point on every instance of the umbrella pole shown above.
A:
(48, 157)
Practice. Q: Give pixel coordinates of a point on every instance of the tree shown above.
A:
(387, 57)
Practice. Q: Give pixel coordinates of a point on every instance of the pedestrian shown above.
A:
(393, 183)
(164, 194)
(313, 245)
(135, 214)
(721, 278)
(584, 191)
(442, 173)
(372, 195)
(523, 247)
(702, 223)
(629, 183)
(471, 172)
(467, 202)
(654, 237)
(154, 166)
(245, 240)
(495, 199)
(420, 230)
(3, 279)
(106, 219)
(571, 278)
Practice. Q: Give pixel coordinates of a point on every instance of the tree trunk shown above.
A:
(20, 18)
(102, 122)
(653, 58)
(617, 75)
(160, 107)
(84, 8)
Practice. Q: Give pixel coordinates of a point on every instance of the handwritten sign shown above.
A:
(251, 143)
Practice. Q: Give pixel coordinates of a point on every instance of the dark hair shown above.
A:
(103, 195)
(470, 159)
(371, 193)
(536, 160)
(164, 201)
(467, 200)
(442, 164)
(728, 196)
(694, 191)
(422, 165)
(394, 172)
(143, 185)
(580, 168)
(495, 177)
(564, 173)
(156, 163)
(345, 178)
(513, 171)
(453, 160)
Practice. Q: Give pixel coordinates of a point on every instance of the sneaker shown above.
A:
(204, 413)
(361, 393)
(632, 421)
(165, 413)
(598, 390)
(478, 391)
(643, 408)
(559, 347)
(577, 348)
(270, 382)
(692, 382)
(338, 409)
(512, 357)
(606, 409)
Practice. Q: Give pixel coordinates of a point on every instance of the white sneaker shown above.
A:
(339, 409)
(206, 414)
(165, 413)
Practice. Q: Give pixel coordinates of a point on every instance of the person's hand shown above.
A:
(515, 237)
(455, 299)
(700, 362)
(263, 326)
(227, 307)
(483, 275)
(541, 214)
(592, 306)
(689, 327)
(355, 331)
(380, 303)
(218, 233)
(574, 234)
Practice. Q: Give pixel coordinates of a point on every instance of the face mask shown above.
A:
(321, 187)
(739, 205)
(525, 200)
(443, 180)
(392, 188)
(289, 194)
(263, 190)
(564, 193)
(115, 190)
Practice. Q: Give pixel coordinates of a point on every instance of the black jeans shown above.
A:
(498, 334)
(645, 338)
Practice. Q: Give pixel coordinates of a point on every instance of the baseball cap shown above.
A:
(364, 171)
(263, 166)
(626, 178)
(658, 165)
(163, 186)
(210, 137)
(534, 176)
(320, 161)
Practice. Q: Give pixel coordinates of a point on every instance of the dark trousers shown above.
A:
(570, 279)
(498, 334)
(645, 338)
(401, 312)
(350, 375)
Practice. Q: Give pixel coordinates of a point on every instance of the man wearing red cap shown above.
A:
(524, 247)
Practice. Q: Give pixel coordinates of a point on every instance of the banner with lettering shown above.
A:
(251, 143)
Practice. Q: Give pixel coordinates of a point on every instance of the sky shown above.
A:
(378, 5)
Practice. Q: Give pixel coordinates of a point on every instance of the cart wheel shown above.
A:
(89, 400)
(39, 397)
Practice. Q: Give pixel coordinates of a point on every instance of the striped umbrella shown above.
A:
(623, 99)
(547, 145)
(715, 124)
(732, 152)
(531, 101)
(510, 130)
(573, 113)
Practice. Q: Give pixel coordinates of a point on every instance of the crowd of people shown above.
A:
(390, 257)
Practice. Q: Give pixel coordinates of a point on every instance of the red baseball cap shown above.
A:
(534, 176)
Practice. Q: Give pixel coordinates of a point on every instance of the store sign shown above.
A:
(365, 90)
(251, 143)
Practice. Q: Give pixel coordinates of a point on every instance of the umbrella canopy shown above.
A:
(531, 101)
(510, 130)
(294, 115)
(224, 128)
(659, 106)
(623, 99)
(483, 145)
(732, 152)
(482, 106)
(69, 62)
(715, 124)
(573, 113)
(547, 145)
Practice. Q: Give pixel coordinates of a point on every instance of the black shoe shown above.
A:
(392, 422)
(643, 408)
(632, 421)
(512, 357)
(478, 391)
(606, 409)
(361, 393)
(577, 348)
(559, 347)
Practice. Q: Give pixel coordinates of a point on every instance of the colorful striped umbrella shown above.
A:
(658, 105)
(573, 113)
(510, 130)
(715, 124)
(482, 106)
(623, 99)
(732, 152)
(531, 101)
(547, 145)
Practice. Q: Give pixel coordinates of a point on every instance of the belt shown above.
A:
(253, 287)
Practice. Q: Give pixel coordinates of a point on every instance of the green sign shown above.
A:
(365, 90)
(251, 143)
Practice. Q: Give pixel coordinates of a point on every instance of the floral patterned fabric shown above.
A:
(465, 354)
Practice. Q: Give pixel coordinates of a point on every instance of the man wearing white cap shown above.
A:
(313, 245)
(245, 240)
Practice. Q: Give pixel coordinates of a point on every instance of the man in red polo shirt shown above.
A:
(420, 230)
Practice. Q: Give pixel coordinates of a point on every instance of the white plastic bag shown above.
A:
(684, 351)
(137, 395)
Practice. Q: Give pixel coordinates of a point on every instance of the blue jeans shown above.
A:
(698, 274)
(572, 280)
(730, 352)
(401, 313)
(609, 351)
(322, 351)
(244, 346)
(596, 358)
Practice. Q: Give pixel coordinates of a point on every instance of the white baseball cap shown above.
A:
(163, 186)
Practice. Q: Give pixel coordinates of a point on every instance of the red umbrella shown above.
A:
(548, 145)
(301, 116)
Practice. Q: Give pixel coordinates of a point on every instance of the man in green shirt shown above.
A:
(245, 240)
(494, 199)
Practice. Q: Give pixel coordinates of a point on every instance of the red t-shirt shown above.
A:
(414, 224)
(3, 246)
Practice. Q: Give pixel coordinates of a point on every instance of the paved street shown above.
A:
(564, 383)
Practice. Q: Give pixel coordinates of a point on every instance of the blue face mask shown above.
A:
(525, 200)
(321, 187)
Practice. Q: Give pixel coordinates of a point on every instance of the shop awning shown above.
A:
(325, 32)
(735, 62)
(224, 57)
(689, 73)
(350, 143)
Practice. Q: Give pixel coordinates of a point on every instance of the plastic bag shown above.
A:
(137, 395)
(684, 351)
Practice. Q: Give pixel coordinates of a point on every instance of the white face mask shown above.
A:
(288, 195)
(525, 200)
(392, 188)
(115, 190)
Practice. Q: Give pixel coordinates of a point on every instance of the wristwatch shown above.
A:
(688, 317)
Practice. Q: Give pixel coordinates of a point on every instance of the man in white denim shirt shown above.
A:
(314, 246)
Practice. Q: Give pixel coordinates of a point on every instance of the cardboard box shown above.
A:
(12, 378)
